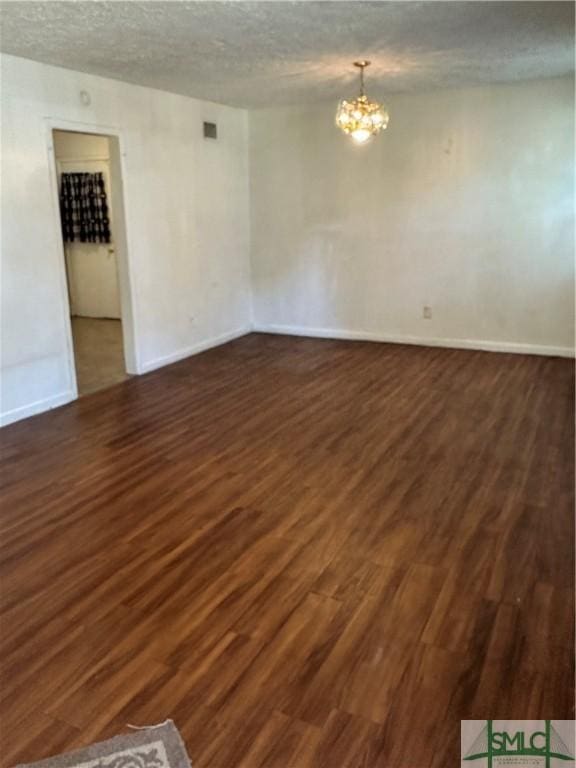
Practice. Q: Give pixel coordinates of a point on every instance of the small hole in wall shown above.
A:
(210, 131)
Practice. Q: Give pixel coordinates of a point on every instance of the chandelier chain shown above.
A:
(362, 66)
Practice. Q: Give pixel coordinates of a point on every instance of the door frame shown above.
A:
(128, 304)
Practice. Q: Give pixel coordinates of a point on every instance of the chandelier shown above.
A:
(361, 118)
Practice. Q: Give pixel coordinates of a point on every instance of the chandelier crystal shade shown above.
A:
(361, 118)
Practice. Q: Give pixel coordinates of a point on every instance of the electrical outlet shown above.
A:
(427, 312)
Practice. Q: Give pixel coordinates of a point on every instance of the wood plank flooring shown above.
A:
(98, 353)
(307, 553)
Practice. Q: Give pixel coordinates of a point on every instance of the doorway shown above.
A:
(89, 226)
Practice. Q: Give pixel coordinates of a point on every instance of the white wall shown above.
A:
(187, 220)
(91, 268)
(464, 204)
(80, 146)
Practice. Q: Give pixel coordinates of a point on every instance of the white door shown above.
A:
(91, 267)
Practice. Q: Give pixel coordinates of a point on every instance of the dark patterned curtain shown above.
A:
(84, 208)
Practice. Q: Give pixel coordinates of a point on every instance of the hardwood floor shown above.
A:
(307, 553)
(98, 353)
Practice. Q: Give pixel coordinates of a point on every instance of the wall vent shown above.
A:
(210, 131)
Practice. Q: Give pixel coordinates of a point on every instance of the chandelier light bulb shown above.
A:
(361, 135)
(361, 119)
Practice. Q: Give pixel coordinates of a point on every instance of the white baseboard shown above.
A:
(16, 414)
(478, 344)
(53, 402)
(8, 417)
(214, 341)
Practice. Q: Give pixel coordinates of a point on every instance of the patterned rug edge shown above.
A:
(123, 751)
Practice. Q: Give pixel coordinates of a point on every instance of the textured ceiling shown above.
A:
(254, 54)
